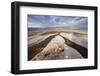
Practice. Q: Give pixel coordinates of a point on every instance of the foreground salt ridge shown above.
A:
(35, 49)
(57, 49)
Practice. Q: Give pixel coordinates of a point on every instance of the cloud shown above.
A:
(45, 21)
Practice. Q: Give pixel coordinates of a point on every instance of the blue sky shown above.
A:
(45, 21)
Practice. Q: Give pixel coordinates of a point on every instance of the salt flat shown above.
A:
(58, 43)
(79, 39)
(63, 51)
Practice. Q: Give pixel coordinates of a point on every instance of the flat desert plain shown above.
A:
(57, 43)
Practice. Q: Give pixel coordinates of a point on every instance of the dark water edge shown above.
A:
(35, 49)
(82, 50)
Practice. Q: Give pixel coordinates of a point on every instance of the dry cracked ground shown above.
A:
(60, 43)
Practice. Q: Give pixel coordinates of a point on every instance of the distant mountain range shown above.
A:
(37, 28)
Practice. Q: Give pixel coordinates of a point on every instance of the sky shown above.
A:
(45, 21)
